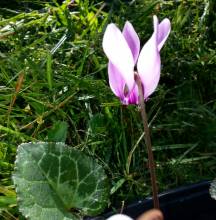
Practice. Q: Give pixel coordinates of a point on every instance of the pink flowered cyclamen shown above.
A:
(123, 52)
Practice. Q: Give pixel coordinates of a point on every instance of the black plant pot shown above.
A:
(192, 202)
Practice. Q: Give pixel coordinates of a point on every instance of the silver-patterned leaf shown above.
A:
(57, 182)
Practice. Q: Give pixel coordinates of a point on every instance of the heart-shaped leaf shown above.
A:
(57, 182)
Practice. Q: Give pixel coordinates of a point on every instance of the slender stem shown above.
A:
(148, 144)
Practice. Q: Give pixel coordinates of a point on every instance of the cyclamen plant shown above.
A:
(134, 74)
(50, 177)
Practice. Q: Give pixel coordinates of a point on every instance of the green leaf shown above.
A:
(57, 182)
(58, 133)
(117, 185)
(97, 123)
(6, 201)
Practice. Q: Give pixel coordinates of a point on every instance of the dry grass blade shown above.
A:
(18, 87)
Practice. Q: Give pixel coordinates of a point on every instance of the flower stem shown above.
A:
(148, 144)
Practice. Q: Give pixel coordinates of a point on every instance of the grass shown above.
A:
(53, 71)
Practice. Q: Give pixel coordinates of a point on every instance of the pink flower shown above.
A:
(123, 52)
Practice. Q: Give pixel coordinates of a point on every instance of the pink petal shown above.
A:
(163, 32)
(117, 85)
(148, 65)
(132, 39)
(116, 81)
(134, 96)
(119, 53)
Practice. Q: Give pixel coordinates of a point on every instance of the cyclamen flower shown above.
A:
(123, 52)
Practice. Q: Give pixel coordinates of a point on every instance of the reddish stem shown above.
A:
(148, 143)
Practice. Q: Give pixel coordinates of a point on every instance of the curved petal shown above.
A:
(134, 96)
(163, 32)
(119, 53)
(116, 81)
(132, 39)
(148, 65)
